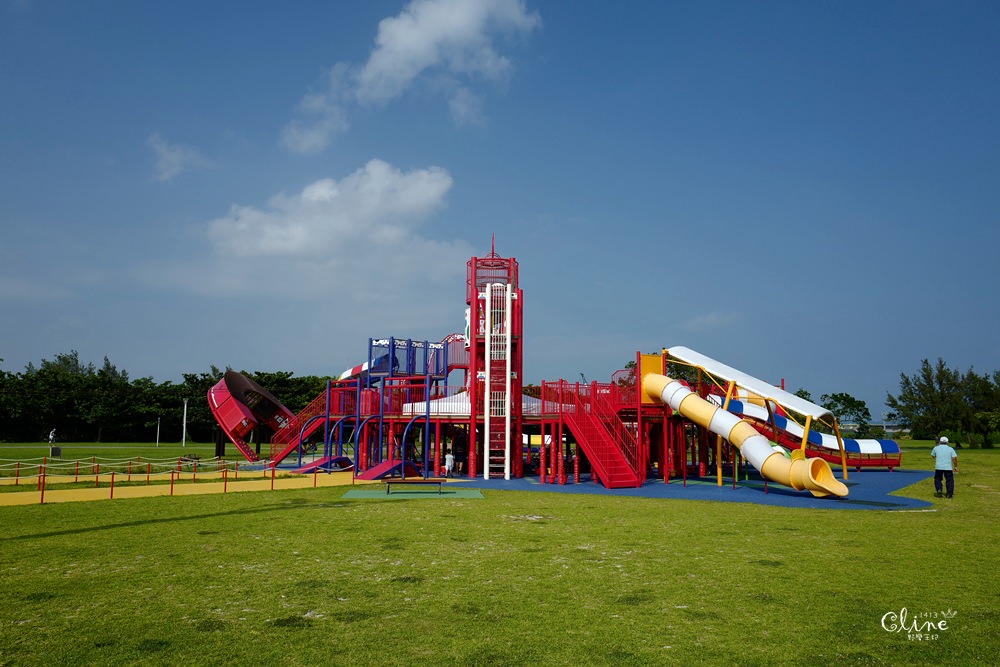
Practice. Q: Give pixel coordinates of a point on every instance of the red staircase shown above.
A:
(609, 445)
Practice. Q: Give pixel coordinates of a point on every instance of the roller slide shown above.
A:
(880, 452)
(786, 431)
(800, 473)
(381, 365)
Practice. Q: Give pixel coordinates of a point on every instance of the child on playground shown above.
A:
(449, 463)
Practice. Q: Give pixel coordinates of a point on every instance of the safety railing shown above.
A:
(610, 447)
(99, 478)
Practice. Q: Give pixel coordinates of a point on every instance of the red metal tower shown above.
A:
(495, 327)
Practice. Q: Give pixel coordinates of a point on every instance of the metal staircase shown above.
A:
(609, 444)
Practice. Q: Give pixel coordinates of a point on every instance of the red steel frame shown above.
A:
(622, 436)
(482, 271)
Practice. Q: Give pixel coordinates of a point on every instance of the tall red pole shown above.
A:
(561, 464)
(542, 461)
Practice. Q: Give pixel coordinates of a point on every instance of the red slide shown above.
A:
(391, 469)
(239, 404)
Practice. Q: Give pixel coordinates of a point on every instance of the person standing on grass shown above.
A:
(52, 437)
(449, 463)
(945, 466)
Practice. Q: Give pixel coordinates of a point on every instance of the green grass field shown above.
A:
(308, 577)
(78, 450)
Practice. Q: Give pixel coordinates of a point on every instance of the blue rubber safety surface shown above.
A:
(867, 490)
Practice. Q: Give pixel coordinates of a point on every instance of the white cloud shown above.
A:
(172, 159)
(322, 115)
(455, 35)
(357, 238)
(375, 207)
(330, 265)
(453, 39)
(301, 136)
(466, 108)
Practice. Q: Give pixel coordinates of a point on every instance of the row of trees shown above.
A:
(86, 403)
(934, 401)
(938, 400)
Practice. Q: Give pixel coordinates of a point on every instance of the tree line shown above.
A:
(938, 400)
(87, 403)
(935, 401)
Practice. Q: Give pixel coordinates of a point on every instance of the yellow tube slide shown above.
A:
(813, 475)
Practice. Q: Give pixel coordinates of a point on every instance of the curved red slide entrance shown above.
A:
(239, 404)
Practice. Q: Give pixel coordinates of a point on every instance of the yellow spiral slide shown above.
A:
(800, 473)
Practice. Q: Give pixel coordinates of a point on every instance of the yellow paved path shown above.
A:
(182, 486)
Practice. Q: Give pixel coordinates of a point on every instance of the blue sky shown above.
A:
(806, 191)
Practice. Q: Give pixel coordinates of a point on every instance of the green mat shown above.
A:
(428, 491)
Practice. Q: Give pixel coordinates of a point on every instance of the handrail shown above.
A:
(594, 420)
(620, 433)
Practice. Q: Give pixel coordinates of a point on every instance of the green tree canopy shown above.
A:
(849, 410)
(84, 402)
(930, 401)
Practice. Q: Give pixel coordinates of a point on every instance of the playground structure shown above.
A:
(398, 413)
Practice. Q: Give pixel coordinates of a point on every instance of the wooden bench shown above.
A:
(391, 481)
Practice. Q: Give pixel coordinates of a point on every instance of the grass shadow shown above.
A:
(291, 504)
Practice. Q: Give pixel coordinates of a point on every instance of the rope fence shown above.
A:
(99, 478)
